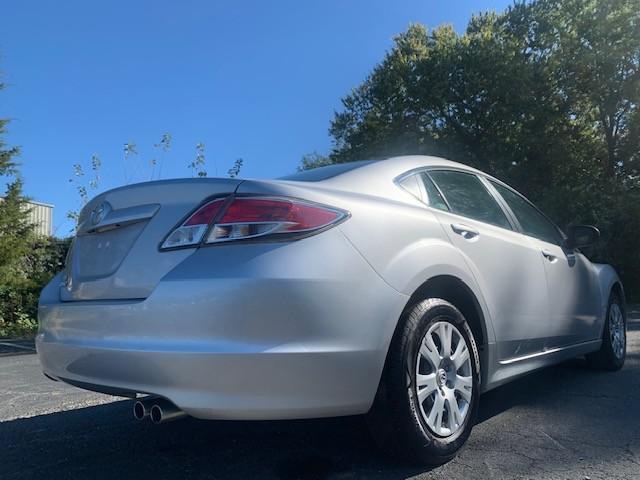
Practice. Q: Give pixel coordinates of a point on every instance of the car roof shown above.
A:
(371, 177)
(387, 170)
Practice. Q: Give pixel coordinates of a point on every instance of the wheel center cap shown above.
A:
(441, 377)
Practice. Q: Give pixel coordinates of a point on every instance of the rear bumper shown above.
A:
(279, 333)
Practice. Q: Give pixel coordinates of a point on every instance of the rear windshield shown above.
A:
(323, 173)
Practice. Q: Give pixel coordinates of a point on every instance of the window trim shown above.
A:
(423, 191)
(398, 181)
(444, 199)
(515, 227)
(486, 181)
(563, 237)
(503, 203)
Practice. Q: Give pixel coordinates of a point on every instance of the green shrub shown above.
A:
(22, 283)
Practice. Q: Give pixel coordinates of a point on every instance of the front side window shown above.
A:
(533, 223)
(467, 196)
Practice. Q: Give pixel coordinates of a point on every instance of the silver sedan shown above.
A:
(401, 288)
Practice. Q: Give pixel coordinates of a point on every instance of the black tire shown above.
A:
(395, 420)
(605, 358)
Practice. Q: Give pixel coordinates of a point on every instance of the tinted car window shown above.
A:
(410, 184)
(435, 200)
(533, 222)
(467, 196)
(324, 173)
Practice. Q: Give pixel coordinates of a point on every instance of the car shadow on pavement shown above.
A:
(10, 348)
(106, 442)
(549, 421)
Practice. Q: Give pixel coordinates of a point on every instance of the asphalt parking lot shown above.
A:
(564, 422)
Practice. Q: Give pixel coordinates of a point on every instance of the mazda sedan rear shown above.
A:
(402, 289)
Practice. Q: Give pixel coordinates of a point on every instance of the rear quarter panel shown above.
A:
(396, 234)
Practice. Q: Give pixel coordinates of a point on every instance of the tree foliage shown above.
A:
(544, 95)
(313, 160)
(15, 231)
(27, 262)
(7, 154)
(234, 171)
(19, 293)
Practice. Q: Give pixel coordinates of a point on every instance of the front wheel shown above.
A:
(427, 400)
(613, 351)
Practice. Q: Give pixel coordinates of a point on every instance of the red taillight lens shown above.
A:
(205, 214)
(257, 217)
(191, 231)
(250, 217)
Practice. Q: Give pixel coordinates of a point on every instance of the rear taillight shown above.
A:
(191, 231)
(252, 217)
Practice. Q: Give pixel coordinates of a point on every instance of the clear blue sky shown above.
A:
(257, 80)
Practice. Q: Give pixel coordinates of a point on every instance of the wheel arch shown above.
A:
(617, 289)
(459, 294)
(609, 282)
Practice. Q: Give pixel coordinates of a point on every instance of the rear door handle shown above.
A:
(549, 256)
(465, 232)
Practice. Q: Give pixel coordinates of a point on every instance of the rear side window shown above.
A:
(421, 186)
(467, 196)
(435, 200)
(410, 184)
(533, 222)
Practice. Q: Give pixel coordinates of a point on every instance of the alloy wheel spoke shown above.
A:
(463, 386)
(459, 347)
(434, 420)
(426, 385)
(461, 357)
(445, 333)
(455, 416)
(429, 351)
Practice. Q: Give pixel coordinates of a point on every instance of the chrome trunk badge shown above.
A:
(100, 212)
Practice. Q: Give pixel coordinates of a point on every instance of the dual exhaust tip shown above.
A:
(159, 410)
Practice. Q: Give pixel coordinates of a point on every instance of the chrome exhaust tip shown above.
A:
(163, 411)
(142, 407)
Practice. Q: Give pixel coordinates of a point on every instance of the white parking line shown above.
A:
(17, 346)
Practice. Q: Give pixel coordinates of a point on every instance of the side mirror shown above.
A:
(582, 236)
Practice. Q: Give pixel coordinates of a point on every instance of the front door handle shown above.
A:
(549, 256)
(465, 232)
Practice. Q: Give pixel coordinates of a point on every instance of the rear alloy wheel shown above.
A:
(613, 351)
(444, 379)
(427, 400)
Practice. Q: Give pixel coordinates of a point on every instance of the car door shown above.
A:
(574, 296)
(506, 266)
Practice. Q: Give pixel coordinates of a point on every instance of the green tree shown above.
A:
(313, 160)
(15, 231)
(599, 58)
(27, 262)
(14, 226)
(7, 154)
(18, 289)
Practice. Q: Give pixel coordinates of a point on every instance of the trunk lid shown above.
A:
(115, 254)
